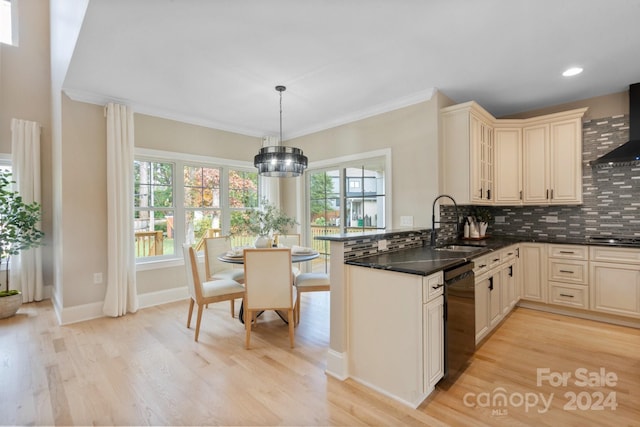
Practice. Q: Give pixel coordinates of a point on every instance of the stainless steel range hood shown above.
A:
(629, 152)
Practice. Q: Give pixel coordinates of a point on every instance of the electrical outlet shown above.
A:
(552, 219)
(382, 245)
(97, 278)
(406, 221)
(500, 219)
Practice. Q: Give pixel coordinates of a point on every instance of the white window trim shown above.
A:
(167, 156)
(339, 162)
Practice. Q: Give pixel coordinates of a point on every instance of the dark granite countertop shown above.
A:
(427, 260)
(424, 260)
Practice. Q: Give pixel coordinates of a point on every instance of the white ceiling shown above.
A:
(216, 63)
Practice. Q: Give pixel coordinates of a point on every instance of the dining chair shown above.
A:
(289, 241)
(268, 285)
(309, 282)
(216, 269)
(207, 292)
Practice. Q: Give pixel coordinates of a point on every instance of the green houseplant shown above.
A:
(19, 230)
(262, 223)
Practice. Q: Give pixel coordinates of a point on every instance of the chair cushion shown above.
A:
(231, 274)
(304, 280)
(215, 288)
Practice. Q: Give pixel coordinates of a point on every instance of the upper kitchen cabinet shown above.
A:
(552, 159)
(488, 161)
(508, 158)
(467, 157)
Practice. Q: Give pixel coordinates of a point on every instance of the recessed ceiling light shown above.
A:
(573, 71)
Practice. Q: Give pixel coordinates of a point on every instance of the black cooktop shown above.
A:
(614, 240)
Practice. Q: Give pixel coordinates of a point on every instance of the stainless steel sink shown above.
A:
(459, 248)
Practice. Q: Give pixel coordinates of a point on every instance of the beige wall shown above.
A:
(84, 202)
(25, 89)
(412, 135)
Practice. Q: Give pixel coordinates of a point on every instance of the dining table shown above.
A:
(237, 257)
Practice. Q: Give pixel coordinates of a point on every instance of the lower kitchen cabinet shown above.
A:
(496, 288)
(509, 283)
(483, 302)
(396, 332)
(533, 264)
(433, 340)
(614, 275)
(615, 288)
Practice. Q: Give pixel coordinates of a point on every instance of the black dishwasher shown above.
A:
(459, 320)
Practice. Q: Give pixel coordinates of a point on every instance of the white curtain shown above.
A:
(26, 268)
(121, 296)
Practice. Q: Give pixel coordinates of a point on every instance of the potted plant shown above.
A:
(263, 223)
(19, 223)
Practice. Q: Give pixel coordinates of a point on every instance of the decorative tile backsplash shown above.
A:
(364, 246)
(611, 196)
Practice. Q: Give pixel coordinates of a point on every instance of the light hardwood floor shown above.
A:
(145, 369)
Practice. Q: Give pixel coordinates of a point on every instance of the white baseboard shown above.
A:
(582, 314)
(80, 313)
(337, 365)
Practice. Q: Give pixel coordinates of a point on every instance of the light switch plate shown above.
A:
(552, 219)
(406, 221)
(382, 245)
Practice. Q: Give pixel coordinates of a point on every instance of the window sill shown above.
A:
(155, 265)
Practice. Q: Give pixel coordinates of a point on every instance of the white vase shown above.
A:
(483, 228)
(262, 242)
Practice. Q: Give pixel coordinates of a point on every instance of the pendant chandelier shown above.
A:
(280, 161)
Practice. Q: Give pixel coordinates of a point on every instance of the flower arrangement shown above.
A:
(263, 222)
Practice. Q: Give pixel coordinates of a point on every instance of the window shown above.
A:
(185, 200)
(8, 22)
(154, 208)
(346, 197)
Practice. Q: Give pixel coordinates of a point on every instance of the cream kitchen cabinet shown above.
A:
(615, 280)
(509, 278)
(467, 157)
(508, 165)
(495, 289)
(396, 332)
(533, 265)
(568, 274)
(552, 159)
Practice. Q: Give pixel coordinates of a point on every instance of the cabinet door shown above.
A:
(566, 162)
(508, 277)
(482, 307)
(495, 299)
(434, 342)
(533, 263)
(535, 169)
(615, 288)
(508, 166)
(481, 147)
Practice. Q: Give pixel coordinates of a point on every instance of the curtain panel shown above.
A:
(121, 296)
(26, 268)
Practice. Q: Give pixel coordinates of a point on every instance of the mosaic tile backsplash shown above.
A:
(611, 196)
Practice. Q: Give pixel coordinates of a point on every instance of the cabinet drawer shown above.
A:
(569, 271)
(494, 259)
(568, 252)
(508, 254)
(480, 265)
(432, 286)
(569, 295)
(608, 254)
